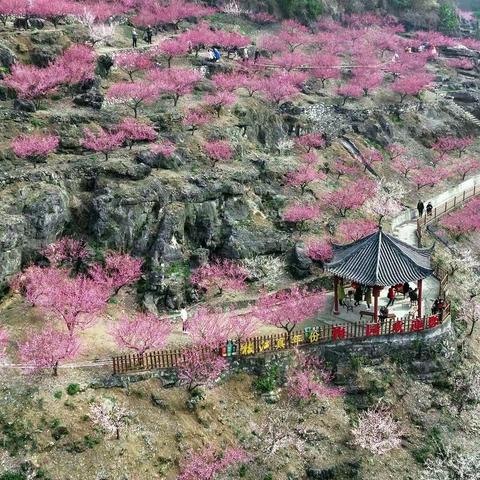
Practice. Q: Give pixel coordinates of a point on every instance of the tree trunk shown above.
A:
(117, 433)
(55, 369)
(472, 329)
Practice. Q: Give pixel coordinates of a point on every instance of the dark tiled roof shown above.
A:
(380, 259)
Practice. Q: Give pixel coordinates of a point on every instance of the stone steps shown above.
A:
(460, 110)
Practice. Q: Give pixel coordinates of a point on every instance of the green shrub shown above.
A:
(303, 10)
(59, 432)
(449, 21)
(58, 394)
(267, 382)
(242, 471)
(429, 447)
(268, 476)
(73, 388)
(90, 442)
(17, 435)
(12, 476)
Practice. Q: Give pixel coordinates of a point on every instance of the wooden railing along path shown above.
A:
(444, 208)
(273, 343)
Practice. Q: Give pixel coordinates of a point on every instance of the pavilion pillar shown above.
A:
(336, 306)
(376, 294)
(420, 298)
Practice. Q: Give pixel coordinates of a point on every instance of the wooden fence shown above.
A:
(272, 343)
(444, 208)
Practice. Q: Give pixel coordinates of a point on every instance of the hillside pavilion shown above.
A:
(377, 261)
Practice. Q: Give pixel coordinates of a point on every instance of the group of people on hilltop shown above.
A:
(421, 208)
(213, 53)
(147, 36)
(423, 48)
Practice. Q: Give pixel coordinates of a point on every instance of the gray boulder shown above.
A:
(93, 99)
(104, 64)
(44, 55)
(158, 160)
(24, 105)
(7, 58)
(299, 263)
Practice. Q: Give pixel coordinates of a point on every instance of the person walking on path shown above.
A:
(420, 208)
(391, 296)
(134, 38)
(406, 289)
(149, 34)
(429, 209)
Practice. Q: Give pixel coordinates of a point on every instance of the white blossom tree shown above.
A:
(377, 431)
(110, 416)
(453, 462)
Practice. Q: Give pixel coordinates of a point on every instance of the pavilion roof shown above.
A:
(380, 259)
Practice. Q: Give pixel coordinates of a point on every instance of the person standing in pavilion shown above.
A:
(391, 296)
(341, 293)
(368, 296)
(358, 295)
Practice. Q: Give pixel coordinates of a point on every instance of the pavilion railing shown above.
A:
(163, 359)
(445, 208)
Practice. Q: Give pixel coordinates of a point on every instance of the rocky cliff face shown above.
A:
(173, 211)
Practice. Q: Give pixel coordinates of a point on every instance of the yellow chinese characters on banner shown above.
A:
(265, 345)
(314, 337)
(280, 344)
(247, 348)
(297, 339)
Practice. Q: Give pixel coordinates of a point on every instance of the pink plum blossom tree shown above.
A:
(67, 252)
(288, 308)
(195, 118)
(173, 47)
(412, 84)
(117, 271)
(208, 328)
(220, 275)
(102, 141)
(47, 348)
(311, 140)
(352, 230)
(142, 332)
(175, 82)
(35, 148)
(445, 145)
(134, 131)
(209, 462)
(133, 94)
(350, 90)
(133, 62)
(200, 367)
(350, 197)
(405, 165)
(218, 101)
(76, 301)
(303, 177)
(299, 214)
(30, 82)
(319, 250)
(218, 151)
